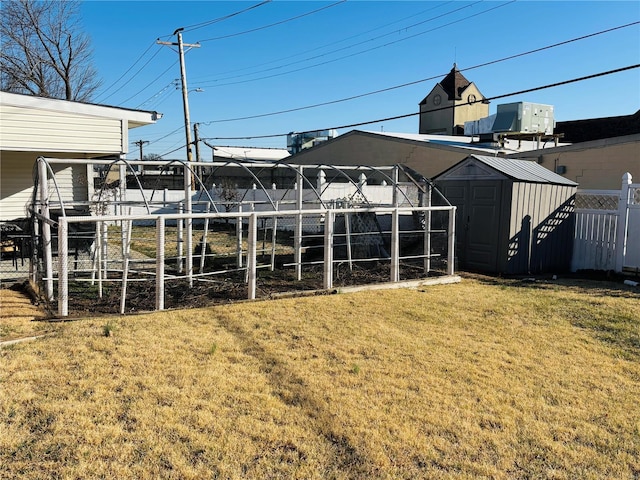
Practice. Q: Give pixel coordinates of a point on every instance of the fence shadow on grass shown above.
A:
(620, 331)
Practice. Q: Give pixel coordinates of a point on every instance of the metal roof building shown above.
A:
(513, 217)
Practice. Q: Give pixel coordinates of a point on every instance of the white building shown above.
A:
(33, 126)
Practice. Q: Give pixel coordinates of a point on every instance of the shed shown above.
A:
(513, 216)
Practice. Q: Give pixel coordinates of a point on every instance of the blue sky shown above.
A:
(335, 50)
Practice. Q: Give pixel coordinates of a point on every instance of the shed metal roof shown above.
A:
(523, 170)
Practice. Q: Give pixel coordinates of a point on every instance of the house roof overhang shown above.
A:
(134, 118)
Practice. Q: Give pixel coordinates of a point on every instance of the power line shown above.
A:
(173, 83)
(196, 26)
(174, 150)
(343, 48)
(127, 71)
(337, 41)
(189, 28)
(272, 24)
(167, 135)
(134, 75)
(356, 53)
(422, 80)
(398, 117)
(151, 83)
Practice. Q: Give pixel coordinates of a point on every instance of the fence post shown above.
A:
(203, 250)
(180, 239)
(125, 264)
(160, 236)
(46, 228)
(122, 173)
(395, 186)
(623, 222)
(297, 241)
(451, 237)
(427, 231)
(274, 230)
(63, 267)
(188, 186)
(105, 253)
(239, 222)
(395, 245)
(97, 259)
(328, 249)
(347, 233)
(252, 241)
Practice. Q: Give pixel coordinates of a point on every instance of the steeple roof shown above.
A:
(454, 83)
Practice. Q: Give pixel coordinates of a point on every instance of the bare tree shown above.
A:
(227, 192)
(44, 51)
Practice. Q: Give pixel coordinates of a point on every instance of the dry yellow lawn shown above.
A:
(18, 317)
(475, 380)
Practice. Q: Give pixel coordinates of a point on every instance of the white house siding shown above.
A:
(16, 184)
(40, 130)
(71, 183)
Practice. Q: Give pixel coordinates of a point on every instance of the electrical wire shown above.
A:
(394, 32)
(196, 26)
(135, 74)
(398, 117)
(206, 84)
(173, 83)
(151, 83)
(167, 135)
(327, 45)
(422, 80)
(186, 29)
(272, 24)
(175, 150)
(127, 71)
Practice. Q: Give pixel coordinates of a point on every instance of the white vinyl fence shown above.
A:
(607, 230)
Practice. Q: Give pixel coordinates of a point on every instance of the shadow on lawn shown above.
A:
(294, 391)
(620, 329)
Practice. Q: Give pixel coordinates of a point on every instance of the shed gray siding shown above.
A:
(541, 222)
(513, 217)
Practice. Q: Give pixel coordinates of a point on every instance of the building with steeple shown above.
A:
(453, 101)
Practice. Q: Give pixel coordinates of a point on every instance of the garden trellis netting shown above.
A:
(121, 236)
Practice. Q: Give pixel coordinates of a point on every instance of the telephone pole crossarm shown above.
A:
(140, 144)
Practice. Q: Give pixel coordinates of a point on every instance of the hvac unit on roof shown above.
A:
(524, 117)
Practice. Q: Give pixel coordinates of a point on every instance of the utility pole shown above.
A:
(140, 143)
(188, 176)
(185, 99)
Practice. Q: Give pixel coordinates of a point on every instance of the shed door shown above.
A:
(477, 222)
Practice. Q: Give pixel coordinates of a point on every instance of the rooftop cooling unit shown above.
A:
(524, 117)
(300, 141)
